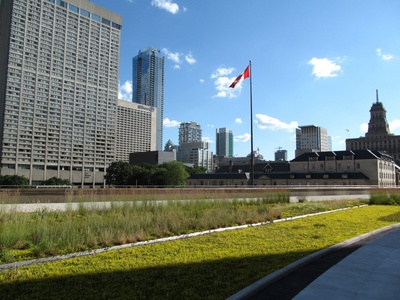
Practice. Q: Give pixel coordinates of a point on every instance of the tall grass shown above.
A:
(385, 197)
(44, 233)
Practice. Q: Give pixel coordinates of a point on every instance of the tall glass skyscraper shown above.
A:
(224, 142)
(59, 67)
(148, 85)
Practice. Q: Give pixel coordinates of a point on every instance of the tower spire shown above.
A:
(377, 97)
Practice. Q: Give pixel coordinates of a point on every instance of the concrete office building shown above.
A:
(378, 136)
(136, 129)
(311, 138)
(148, 85)
(59, 64)
(224, 142)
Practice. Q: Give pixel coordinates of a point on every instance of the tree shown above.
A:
(119, 173)
(56, 181)
(172, 173)
(196, 170)
(142, 174)
(13, 181)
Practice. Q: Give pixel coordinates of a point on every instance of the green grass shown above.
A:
(44, 233)
(206, 267)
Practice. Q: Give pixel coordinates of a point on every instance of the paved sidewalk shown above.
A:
(365, 267)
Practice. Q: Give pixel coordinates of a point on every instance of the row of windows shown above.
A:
(85, 13)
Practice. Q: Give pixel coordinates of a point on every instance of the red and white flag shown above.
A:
(244, 75)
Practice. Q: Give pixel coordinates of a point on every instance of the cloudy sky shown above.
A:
(313, 63)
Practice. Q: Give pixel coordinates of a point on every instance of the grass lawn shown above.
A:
(213, 266)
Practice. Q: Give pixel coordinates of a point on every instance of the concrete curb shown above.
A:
(258, 285)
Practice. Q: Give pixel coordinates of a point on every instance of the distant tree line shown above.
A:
(122, 173)
(21, 181)
(172, 173)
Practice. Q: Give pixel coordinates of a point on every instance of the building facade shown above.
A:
(224, 142)
(148, 85)
(189, 132)
(281, 155)
(191, 149)
(136, 129)
(378, 136)
(196, 153)
(151, 157)
(330, 168)
(59, 64)
(311, 138)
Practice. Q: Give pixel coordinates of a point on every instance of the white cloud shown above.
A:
(364, 127)
(207, 139)
(167, 5)
(222, 83)
(393, 125)
(202, 80)
(210, 125)
(221, 72)
(125, 91)
(267, 122)
(242, 138)
(176, 57)
(171, 123)
(324, 67)
(190, 59)
(238, 121)
(386, 57)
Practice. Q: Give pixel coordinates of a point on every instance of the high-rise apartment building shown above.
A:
(136, 129)
(224, 142)
(148, 85)
(59, 64)
(311, 138)
(189, 132)
(191, 149)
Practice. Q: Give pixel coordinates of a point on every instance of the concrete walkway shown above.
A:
(365, 267)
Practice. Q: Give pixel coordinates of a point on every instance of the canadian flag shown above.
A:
(244, 75)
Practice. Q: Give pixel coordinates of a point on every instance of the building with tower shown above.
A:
(224, 142)
(378, 136)
(59, 64)
(148, 85)
(311, 138)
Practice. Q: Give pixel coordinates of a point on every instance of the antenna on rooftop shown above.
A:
(377, 97)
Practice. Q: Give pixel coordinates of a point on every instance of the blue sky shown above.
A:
(314, 62)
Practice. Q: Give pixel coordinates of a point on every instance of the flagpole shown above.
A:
(251, 127)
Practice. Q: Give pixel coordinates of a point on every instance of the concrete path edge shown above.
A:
(256, 286)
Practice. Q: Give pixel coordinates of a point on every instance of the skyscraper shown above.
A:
(224, 142)
(59, 64)
(311, 138)
(148, 85)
